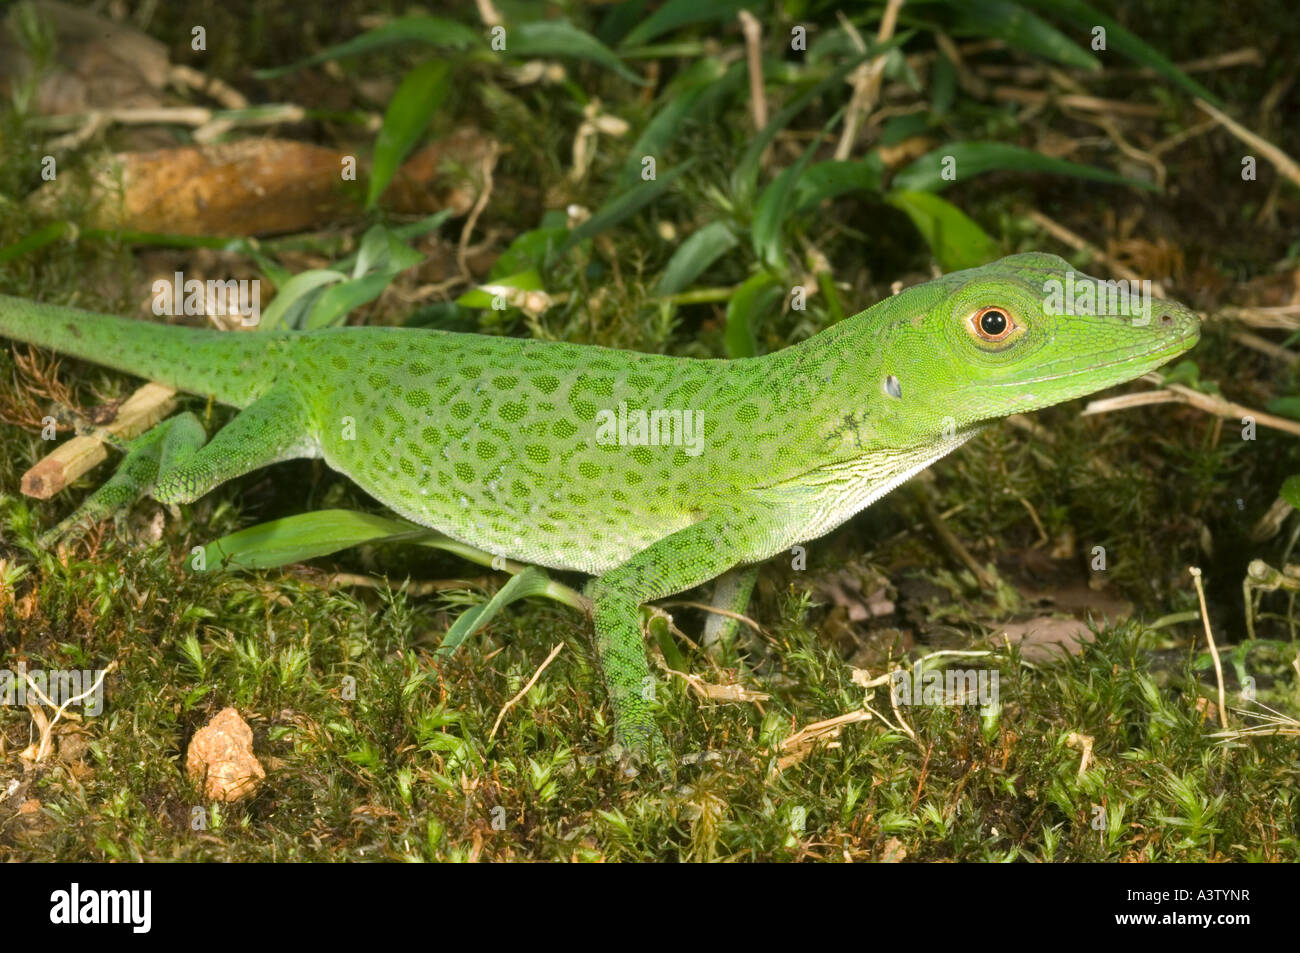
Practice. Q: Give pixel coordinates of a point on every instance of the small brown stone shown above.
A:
(221, 760)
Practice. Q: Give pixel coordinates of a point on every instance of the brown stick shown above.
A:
(150, 404)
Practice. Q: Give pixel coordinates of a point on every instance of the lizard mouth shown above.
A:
(1163, 350)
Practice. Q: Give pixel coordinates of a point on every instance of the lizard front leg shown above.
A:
(687, 558)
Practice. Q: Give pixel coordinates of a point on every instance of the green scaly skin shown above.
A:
(494, 440)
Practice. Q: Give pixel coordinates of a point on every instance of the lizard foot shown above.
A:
(638, 746)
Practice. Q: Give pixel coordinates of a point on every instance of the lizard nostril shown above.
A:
(1166, 319)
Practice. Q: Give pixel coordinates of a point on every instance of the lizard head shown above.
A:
(1027, 332)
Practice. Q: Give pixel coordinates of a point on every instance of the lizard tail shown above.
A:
(233, 367)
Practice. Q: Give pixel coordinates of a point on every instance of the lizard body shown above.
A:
(535, 451)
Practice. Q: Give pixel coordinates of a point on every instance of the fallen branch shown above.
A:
(142, 410)
(1178, 394)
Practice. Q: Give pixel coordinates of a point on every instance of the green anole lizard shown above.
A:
(653, 474)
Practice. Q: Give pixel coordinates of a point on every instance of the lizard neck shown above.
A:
(850, 387)
(831, 386)
(848, 436)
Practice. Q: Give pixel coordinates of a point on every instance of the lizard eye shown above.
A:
(991, 324)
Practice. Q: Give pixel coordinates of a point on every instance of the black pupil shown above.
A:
(993, 323)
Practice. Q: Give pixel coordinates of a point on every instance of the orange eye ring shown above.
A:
(993, 324)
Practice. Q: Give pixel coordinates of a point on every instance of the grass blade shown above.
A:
(1018, 27)
(827, 180)
(336, 303)
(751, 301)
(623, 206)
(294, 292)
(421, 92)
(432, 31)
(1085, 16)
(683, 100)
(402, 233)
(956, 240)
(528, 250)
(531, 582)
(561, 38)
(767, 231)
(744, 179)
(694, 256)
(970, 159)
(304, 536)
(679, 13)
(381, 258)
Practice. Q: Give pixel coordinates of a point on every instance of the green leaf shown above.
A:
(901, 128)
(829, 43)
(531, 582)
(943, 86)
(337, 302)
(694, 256)
(381, 258)
(294, 292)
(300, 303)
(483, 295)
(1290, 491)
(1085, 17)
(621, 19)
(679, 13)
(402, 233)
(528, 250)
(751, 301)
(43, 236)
(432, 31)
(1019, 28)
(563, 39)
(826, 180)
(898, 70)
(305, 536)
(271, 269)
(1288, 406)
(700, 74)
(969, 159)
(622, 207)
(374, 248)
(1005, 21)
(382, 251)
(956, 241)
(767, 231)
(1186, 373)
(421, 92)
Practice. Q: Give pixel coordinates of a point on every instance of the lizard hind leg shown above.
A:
(690, 556)
(273, 428)
(173, 464)
(157, 448)
(732, 593)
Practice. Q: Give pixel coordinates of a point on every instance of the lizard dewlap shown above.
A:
(652, 473)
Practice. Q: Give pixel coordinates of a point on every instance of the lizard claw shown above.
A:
(639, 746)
